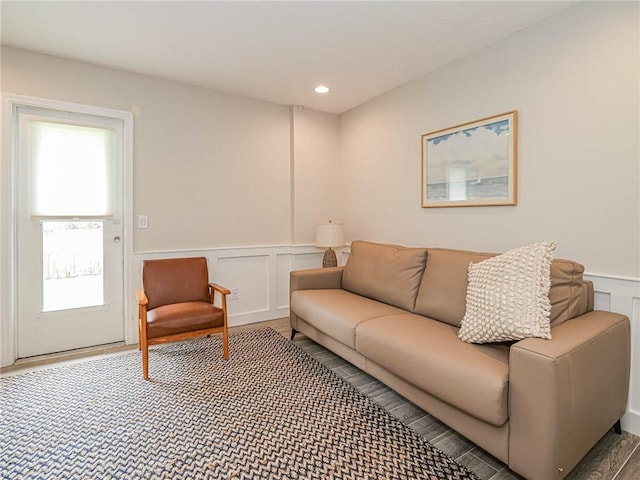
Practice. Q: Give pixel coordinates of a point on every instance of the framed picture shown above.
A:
(471, 165)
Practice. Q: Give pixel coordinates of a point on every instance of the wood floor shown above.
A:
(615, 457)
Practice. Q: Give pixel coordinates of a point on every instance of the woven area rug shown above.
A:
(270, 412)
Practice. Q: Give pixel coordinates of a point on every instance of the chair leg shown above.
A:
(225, 328)
(144, 346)
(293, 334)
(225, 343)
(618, 428)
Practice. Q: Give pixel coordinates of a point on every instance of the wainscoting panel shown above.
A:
(602, 301)
(284, 265)
(249, 276)
(303, 261)
(261, 275)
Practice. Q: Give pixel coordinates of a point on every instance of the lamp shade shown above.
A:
(329, 235)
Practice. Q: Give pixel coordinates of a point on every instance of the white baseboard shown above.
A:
(631, 423)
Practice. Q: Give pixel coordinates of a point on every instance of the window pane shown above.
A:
(71, 170)
(72, 265)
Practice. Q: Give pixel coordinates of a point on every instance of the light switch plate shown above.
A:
(143, 221)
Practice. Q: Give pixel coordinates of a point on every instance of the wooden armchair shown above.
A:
(177, 302)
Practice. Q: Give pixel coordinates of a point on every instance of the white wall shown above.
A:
(210, 169)
(316, 188)
(214, 172)
(574, 80)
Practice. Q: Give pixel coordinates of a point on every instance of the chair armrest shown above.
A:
(315, 278)
(142, 298)
(143, 303)
(213, 288)
(218, 288)
(567, 392)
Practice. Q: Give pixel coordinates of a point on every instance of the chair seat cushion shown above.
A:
(182, 318)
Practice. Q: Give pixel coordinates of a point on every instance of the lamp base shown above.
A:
(329, 259)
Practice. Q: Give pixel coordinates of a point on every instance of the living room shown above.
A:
(244, 182)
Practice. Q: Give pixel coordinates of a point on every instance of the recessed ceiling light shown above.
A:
(322, 89)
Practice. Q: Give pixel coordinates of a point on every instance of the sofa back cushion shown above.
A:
(387, 273)
(443, 289)
(570, 295)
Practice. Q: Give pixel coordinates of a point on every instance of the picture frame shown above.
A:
(471, 165)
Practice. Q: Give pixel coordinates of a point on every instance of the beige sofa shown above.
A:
(537, 405)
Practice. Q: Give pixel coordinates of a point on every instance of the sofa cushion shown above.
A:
(428, 354)
(569, 294)
(508, 296)
(337, 312)
(443, 289)
(388, 273)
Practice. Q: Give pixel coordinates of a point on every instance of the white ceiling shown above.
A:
(272, 51)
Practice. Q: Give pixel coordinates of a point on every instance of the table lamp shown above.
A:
(329, 235)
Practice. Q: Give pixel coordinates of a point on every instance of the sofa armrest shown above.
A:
(567, 392)
(312, 279)
(315, 278)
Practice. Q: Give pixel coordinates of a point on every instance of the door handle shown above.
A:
(116, 239)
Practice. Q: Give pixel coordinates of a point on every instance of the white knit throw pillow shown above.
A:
(508, 296)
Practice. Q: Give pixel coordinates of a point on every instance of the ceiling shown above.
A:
(272, 51)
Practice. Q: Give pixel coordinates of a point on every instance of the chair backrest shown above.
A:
(175, 280)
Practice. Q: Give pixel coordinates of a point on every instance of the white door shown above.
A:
(69, 231)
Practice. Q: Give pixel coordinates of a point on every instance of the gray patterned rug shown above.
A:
(269, 412)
